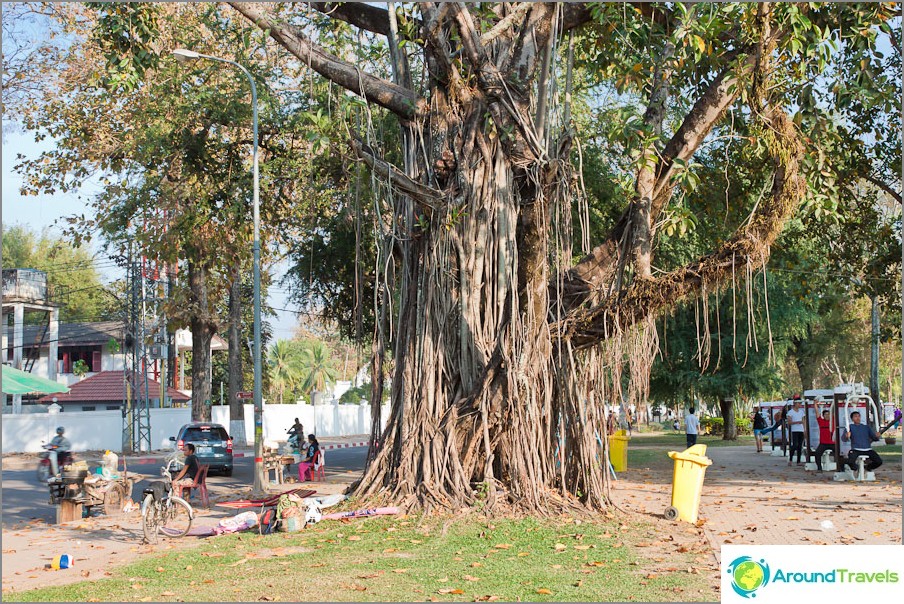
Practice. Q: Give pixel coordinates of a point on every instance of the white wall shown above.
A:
(323, 420)
(100, 430)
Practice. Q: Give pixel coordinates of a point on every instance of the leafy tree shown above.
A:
(71, 272)
(316, 367)
(497, 337)
(285, 361)
(173, 144)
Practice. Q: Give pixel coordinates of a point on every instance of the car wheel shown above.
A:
(227, 471)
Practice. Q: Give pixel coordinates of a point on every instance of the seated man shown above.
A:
(186, 477)
(862, 437)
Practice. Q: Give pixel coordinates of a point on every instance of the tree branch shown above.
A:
(403, 102)
(361, 15)
(884, 186)
(421, 194)
(748, 247)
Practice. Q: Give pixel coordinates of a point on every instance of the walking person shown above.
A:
(795, 419)
(759, 427)
(826, 437)
(691, 427)
(895, 422)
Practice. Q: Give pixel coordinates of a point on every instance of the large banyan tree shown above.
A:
(507, 339)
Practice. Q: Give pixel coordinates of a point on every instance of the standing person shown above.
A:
(826, 437)
(862, 437)
(691, 427)
(759, 427)
(896, 421)
(795, 419)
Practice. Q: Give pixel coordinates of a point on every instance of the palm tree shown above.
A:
(285, 367)
(317, 366)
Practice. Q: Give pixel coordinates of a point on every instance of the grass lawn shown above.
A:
(466, 558)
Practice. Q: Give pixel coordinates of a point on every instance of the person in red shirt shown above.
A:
(826, 439)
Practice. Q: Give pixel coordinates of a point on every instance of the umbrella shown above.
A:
(16, 381)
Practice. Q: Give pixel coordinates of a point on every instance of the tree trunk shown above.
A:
(234, 361)
(729, 425)
(203, 329)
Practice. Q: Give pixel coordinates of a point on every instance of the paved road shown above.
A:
(23, 498)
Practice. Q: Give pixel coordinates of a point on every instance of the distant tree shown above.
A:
(317, 367)
(71, 271)
(285, 363)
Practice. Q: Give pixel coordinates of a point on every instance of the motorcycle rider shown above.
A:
(61, 448)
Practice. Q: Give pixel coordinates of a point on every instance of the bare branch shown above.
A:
(361, 15)
(421, 194)
(506, 23)
(403, 102)
(884, 186)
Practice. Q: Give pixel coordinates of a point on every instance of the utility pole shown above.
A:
(874, 350)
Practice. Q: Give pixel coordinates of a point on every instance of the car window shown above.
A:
(204, 433)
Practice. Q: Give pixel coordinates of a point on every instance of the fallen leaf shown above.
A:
(400, 570)
(544, 591)
(137, 586)
(370, 576)
(265, 599)
(583, 547)
(160, 569)
(357, 587)
(450, 591)
(470, 578)
(167, 593)
(559, 547)
(213, 554)
(354, 538)
(503, 545)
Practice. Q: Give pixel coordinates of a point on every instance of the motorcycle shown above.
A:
(44, 467)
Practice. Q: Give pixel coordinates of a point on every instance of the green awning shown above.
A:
(16, 381)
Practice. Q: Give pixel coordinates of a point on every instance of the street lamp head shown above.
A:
(184, 55)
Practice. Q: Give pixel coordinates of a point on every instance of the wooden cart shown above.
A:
(77, 490)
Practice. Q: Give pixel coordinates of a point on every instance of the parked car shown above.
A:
(213, 445)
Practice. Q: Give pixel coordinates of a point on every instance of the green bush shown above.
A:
(716, 426)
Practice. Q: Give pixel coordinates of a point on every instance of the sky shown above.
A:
(46, 211)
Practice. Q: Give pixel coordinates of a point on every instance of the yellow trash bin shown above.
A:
(618, 451)
(687, 483)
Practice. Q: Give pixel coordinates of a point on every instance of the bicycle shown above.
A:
(163, 512)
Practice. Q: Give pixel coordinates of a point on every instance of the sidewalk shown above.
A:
(757, 499)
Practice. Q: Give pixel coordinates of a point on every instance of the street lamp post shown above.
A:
(186, 56)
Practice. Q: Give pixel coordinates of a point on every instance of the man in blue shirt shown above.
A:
(862, 437)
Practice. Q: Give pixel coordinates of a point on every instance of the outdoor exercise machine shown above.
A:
(848, 399)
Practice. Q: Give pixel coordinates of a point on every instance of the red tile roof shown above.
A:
(108, 386)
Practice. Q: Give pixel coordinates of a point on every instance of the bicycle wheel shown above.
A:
(150, 521)
(176, 518)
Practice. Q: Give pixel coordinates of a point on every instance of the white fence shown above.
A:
(331, 419)
(101, 430)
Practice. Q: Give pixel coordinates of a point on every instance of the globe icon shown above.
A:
(749, 575)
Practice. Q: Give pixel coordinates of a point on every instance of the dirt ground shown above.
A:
(100, 543)
(757, 499)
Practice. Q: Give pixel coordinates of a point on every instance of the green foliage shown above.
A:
(71, 272)
(80, 368)
(354, 396)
